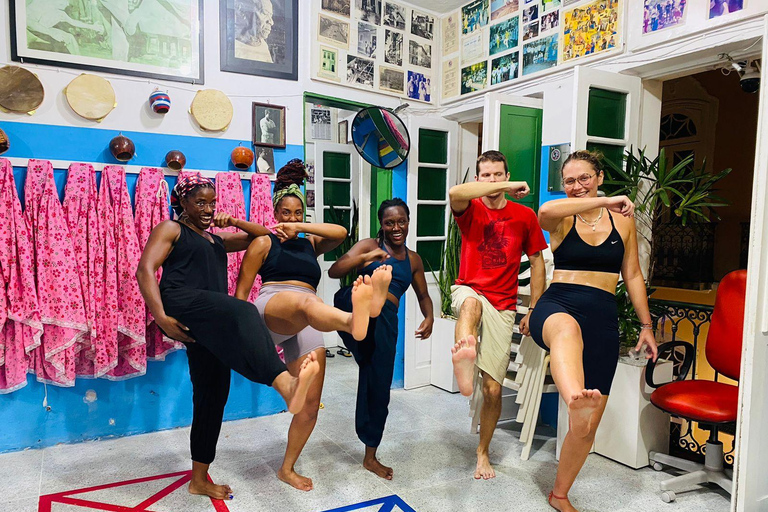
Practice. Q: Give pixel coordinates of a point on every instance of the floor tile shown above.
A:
(20, 475)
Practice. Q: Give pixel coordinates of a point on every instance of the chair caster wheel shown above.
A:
(668, 496)
(656, 466)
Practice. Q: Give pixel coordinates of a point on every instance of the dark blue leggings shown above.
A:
(596, 313)
(375, 356)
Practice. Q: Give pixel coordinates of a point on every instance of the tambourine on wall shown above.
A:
(20, 90)
(381, 138)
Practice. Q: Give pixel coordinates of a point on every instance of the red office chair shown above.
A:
(711, 404)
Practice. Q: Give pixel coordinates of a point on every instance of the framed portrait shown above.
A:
(268, 125)
(151, 39)
(260, 37)
(265, 160)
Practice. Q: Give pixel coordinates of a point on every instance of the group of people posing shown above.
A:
(575, 319)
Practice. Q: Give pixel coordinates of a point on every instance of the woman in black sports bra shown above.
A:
(593, 239)
(191, 304)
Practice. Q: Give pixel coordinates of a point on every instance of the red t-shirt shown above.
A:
(492, 243)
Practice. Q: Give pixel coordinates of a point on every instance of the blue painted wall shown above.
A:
(162, 398)
(544, 194)
(400, 189)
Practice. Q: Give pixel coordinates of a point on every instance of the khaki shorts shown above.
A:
(495, 333)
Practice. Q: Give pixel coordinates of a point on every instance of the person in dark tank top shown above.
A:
(293, 313)
(221, 333)
(593, 240)
(375, 355)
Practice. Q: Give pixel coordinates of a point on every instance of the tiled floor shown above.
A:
(427, 442)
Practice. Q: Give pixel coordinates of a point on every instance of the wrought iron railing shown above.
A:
(682, 314)
(684, 256)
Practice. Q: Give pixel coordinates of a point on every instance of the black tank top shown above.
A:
(574, 253)
(195, 263)
(292, 260)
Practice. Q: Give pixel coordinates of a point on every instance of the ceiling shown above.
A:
(439, 6)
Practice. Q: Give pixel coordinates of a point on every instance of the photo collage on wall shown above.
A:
(377, 45)
(489, 42)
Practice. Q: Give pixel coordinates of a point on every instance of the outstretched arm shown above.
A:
(234, 242)
(638, 294)
(461, 195)
(552, 213)
(362, 253)
(325, 237)
(422, 294)
(159, 246)
(252, 261)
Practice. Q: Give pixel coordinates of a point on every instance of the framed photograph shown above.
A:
(419, 54)
(422, 25)
(369, 10)
(340, 7)
(333, 31)
(366, 39)
(359, 71)
(321, 123)
(393, 47)
(419, 87)
(343, 132)
(265, 160)
(329, 63)
(392, 80)
(160, 40)
(259, 37)
(394, 16)
(268, 125)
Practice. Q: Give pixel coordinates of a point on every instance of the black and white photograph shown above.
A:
(530, 31)
(369, 10)
(310, 197)
(393, 47)
(340, 7)
(260, 37)
(310, 166)
(394, 16)
(531, 13)
(333, 31)
(420, 54)
(392, 80)
(268, 125)
(265, 160)
(419, 87)
(422, 25)
(359, 71)
(320, 120)
(161, 40)
(366, 39)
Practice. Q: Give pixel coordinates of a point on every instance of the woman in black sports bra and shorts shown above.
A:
(593, 239)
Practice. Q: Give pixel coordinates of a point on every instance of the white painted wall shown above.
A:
(133, 112)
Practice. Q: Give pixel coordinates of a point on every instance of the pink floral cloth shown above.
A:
(152, 209)
(262, 212)
(59, 293)
(230, 199)
(80, 209)
(20, 326)
(122, 321)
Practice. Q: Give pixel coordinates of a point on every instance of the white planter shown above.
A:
(631, 426)
(442, 367)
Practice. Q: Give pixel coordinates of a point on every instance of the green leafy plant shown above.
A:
(336, 217)
(629, 324)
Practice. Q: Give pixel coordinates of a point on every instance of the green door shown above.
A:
(520, 141)
(381, 189)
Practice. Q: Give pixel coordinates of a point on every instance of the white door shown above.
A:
(492, 115)
(339, 183)
(750, 491)
(434, 157)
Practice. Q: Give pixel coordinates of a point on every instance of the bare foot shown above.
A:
(362, 293)
(464, 355)
(309, 369)
(562, 504)
(580, 411)
(294, 479)
(206, 488)
(380, 279)
(484, 469)
(374, 466)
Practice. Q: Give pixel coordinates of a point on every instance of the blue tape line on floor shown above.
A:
(388, 504)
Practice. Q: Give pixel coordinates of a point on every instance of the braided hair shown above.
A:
(292, 173)
(390, 203)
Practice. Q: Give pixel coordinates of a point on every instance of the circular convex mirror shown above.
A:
(380, 137)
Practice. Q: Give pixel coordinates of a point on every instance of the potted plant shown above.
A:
(631, 426)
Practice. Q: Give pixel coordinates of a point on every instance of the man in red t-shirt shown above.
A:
(495, 232)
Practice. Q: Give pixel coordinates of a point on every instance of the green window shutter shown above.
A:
(607, 113)
(433, 147)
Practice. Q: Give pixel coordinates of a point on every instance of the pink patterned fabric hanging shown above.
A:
(262, 213)
(230, 199)
(151, 210)
(20, 326)
(123, 318)
(80, 200)
(59, 293)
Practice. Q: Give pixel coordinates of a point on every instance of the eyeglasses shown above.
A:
(584, 179)
(391, 223)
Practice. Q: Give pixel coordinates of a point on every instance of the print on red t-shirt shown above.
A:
(492, 243)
